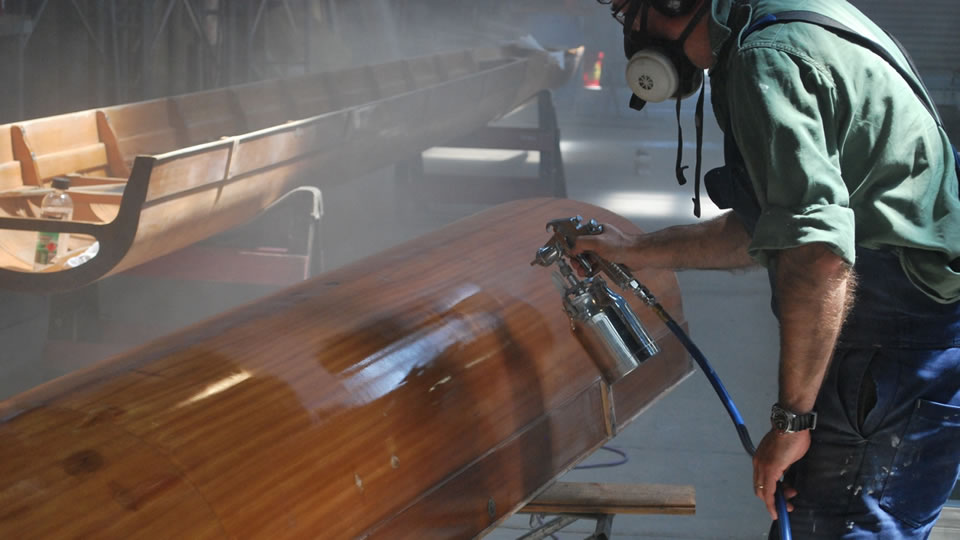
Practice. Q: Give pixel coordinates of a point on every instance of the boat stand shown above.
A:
(279, 248)
(569, 502)
(603, 530)
(416, 186)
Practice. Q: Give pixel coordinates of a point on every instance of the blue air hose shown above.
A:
(783, 520)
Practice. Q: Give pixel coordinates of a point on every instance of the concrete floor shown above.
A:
(615, 158)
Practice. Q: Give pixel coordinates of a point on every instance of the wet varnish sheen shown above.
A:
(425, 392)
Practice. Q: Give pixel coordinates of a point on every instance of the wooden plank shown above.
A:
(10, 176)
(602, 498)
(61, 132)
(58, 145)
(264, 104)
(312, 95)
(78, 180)
(355, 86)
(91, 159)
(424, 72)
(480, 496)
(457, 64)
(145, 128)
(393, 78)
(6, 143)
(25, 192)
(208, 115)
(196, 169)
(80, 196)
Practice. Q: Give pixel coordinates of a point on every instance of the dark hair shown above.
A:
(670, 8)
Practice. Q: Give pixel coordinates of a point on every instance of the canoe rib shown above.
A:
(190, 176)
(428, 391)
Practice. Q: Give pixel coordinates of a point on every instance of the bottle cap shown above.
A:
(61, 182)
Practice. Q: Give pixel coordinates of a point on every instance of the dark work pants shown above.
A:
(886, 451)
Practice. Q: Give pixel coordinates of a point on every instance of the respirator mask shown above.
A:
(658, 69)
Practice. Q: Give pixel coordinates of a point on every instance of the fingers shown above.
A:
(765, 486)
(765, 478)
(769, 501)
(610, 244)
(586, 243)
(788, 493)
(775, 454)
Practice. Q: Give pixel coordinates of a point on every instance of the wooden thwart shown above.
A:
(602, 498)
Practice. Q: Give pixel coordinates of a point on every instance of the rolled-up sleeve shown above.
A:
(784, 120)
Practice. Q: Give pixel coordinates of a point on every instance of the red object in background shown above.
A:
(593, 71)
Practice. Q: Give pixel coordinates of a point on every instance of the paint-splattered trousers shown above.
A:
(885, 455)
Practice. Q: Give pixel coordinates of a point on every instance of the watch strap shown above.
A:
(791, 422)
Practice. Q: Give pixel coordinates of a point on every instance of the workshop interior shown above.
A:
(307, 269)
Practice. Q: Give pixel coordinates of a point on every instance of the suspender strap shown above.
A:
(915, 82)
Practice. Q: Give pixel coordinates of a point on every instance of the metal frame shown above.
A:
(602, 531)
(74, 315)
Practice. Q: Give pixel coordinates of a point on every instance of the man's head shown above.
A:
(667, 43)
(669, 20)
(667, 46)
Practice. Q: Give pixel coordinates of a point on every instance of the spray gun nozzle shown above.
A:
(602, 320)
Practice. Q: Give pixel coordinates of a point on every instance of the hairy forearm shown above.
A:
(814, 287)
(720, 243)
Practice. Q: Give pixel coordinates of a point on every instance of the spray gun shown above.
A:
(601, 319)
(609, 330)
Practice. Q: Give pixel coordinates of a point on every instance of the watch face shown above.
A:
(780, 420)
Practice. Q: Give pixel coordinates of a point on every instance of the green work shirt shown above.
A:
(838, 147)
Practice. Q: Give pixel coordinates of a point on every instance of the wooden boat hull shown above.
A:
(158, 176)
(425, 392)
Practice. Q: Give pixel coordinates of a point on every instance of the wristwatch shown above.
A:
(786, 421)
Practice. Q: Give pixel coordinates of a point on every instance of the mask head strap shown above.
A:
(694, 21)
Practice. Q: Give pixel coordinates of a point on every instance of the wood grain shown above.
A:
(394, 398)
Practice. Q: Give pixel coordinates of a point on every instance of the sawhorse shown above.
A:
(573, 501)
(416, 186)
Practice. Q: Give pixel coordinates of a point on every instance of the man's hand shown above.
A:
(612, 244)
(776, 453)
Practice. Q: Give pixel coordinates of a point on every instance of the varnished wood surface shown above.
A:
(193, 167)
(425, 392)
(600, 498)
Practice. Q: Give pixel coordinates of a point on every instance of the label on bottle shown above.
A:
(47, 243)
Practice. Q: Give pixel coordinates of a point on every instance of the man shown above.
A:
(836, 174)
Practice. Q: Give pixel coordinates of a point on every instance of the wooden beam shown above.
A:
(24, 154)
(116, 164)
(600, 498)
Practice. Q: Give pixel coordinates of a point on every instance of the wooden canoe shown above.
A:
(425, 392)
(152, 177)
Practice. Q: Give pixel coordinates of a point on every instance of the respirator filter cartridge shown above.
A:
(654, 77)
